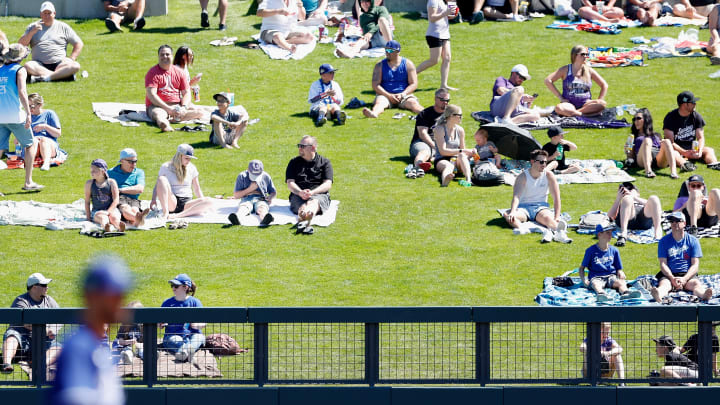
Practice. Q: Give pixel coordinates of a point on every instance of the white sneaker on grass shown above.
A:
(547, 236)
(561, 232)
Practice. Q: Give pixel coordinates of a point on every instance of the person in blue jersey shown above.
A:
(15, 115)
(183, 339)
(605, 267)
(85, 370)
(394, 80)
(679, 254)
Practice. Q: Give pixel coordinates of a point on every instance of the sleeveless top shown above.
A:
(536, 190)
(101, 196)
(452, 141)
(575, 90)
(394, 80)
(10, 111)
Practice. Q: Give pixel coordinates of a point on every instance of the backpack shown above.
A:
(222, 345)
(485, 174)
(593, 219)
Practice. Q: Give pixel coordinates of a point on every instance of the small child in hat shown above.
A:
(326, 97)
(102, 193)
(556, 149)
(255, 190)
(227, 125)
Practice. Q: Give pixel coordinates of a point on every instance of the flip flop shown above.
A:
(33, 187)
(650, 175)
(308, 230)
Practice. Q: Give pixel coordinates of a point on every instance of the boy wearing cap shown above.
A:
(699, 206)
(131, 183)
(326, 97)
(227, 126)
(683, 126)
(20, 336)
(255, 190)
(510, 103)
(394, 80)
(49, 39)
(677, 365)
(102, 193)
(679, 254)
(605, 267)
(556, 149)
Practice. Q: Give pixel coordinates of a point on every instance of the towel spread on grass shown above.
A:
(667, 47)
(675, 21)
(275, 52)
(606, 119)
(603, 57)
(59, 159)
(579, 295)
(127, 113)
(597, 27)
(72, 216)
(593, 171)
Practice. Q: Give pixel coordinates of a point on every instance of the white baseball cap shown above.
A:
(47, 6)
(522, 70)
(37, 278)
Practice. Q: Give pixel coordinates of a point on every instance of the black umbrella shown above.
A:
(511, 140)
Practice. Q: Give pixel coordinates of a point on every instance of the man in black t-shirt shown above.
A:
(677, 365)
(683, 125)
(422, 144)
(309, 177)
(690, 349)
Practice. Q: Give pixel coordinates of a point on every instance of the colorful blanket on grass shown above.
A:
(593, 171)
(615, 57)
(578, 295)
(647, 236)
(667, 47)
(597, 27)
(605, 120)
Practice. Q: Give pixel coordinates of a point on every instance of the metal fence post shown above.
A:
(482, 352)
(372, 353)
(705, 364)
(592, 353)
(150, 353)
(260, 333)
(38, 355)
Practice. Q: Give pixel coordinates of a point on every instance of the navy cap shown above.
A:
(100, 164)
(696, 178)
(108, 275)
(326, 68)
(666, 341)
(676, 217)
(605, 226)
(393, 44)
(181, 279)
(255, 169)
(687, 97)
(555, 131)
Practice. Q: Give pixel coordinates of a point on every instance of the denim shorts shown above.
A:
(608, 281)
(532, 209)
(253, 202)
(23, 135)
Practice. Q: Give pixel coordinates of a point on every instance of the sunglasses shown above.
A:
(133, 162)
(300, 145)
(542, 162)
(457, 115)
(444, 100)
(696, 185)
(584, 54)
(522, 77)
(637, 118)
(388, 50)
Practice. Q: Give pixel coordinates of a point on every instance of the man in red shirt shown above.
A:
(167, 93)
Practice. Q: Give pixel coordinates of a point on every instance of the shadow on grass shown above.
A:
(203, 145)
(304, 114)
(171, 30)
(497, 222)
(251, 44)
(404, 159)
(413, 16)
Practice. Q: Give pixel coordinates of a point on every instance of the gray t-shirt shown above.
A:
(49, 45)
(25, 301)
(440, 28)
(484, 151)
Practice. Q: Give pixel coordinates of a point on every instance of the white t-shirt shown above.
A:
(441, 28)
(279, 22)
(317, 87)
(183, 189)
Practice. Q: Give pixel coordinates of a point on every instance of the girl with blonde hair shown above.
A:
(450, 151)
(577, 78)
(177, 180)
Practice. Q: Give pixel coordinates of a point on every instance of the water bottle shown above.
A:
(18, 150)
(629, 150)
(696, 146)
(559, 151)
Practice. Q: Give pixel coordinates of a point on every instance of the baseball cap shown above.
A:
(326, 68)
(665, 340)
(393, 44)
(127, 153)
(255, 169)
(107, 274)
(187, 150)
(605, 226)
(47, 6)
(223, 94)
(15, 53)
(37, 278)
(696, 178)
(676, 217)
(555, 131)
(100, 164)
(181, 279)
(687, 97)
(522, 70)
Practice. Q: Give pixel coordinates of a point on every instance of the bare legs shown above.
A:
(589, 108)
(66, 68)
(446, 169)
(168, 201)
(435, 54)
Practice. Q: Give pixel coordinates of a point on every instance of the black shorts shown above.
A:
(631, 11)
(654, 152)
(50, 66)
(133, 202)
(180, 207)
(435, 42)
(659, 276)
(705, 220)
(323, 202)
(639, 221)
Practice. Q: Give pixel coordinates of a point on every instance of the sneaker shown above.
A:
(222, 27)
(465, 183)
(602, 298)
(419, 172)
(267, 220)
(426, 166)
(715, 60)
(204, 19)
(139, 24)
(341, 117)
(112, 25)
(692, 230)
(561, 236)
(320, 121)
(506, 121)
(630, 295)
(39, 79)
(547, 236)
(518, 18)
(477, 18)
(714, 166)
(688, 166)
(561, 226)
(408, 168)
(233, 218)
(127, 357)
(411, 174)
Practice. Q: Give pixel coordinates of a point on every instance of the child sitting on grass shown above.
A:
(255, 190)
(556, 148)
(611, 360)
(103, 193)
(326, 97)
(484, 149)
(605, 267)
(227, 126)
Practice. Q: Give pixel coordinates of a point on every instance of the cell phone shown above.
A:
(535, 95)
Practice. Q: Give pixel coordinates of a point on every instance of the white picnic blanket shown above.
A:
(72, 216)
(593, 171)
(275, 52)
(111, 112)
(344, 47)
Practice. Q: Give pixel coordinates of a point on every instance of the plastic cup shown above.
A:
(600, 6)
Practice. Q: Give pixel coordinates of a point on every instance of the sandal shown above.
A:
(650, 174)
(714, 166)
(688, 166)
(308, 230)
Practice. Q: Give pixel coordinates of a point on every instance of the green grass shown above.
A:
(395, 241)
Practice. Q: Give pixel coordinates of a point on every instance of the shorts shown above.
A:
(23, 135)
(631, 11)
(180, 207)
(377, 40)
(435, 42)
(417, 147)
(227, 137)
(25, 347)
(639, 221)
(500, 105)
(704, 221)
(267, 35)
(401, 105)
(50, 66)
(654, 152)
(577, 102)
(323, 202)
(253, 202)
(531, 209)
(125, 200)
(659, 276)
(607, 281)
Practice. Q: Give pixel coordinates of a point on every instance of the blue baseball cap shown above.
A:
(606, 226)
(393, 44)
(181, 279)
(676, 217)
(326, 68)
(108, 275)
(127, 153)
(255, 169)
(100, 164)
